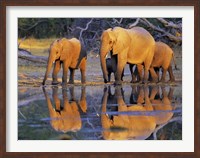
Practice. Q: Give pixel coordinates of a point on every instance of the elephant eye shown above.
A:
(110, 42)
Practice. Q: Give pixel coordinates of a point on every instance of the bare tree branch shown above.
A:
(169, 24)
(169, 35)
(116, 21)
(83, 29)
(24, 54)
(134, 24)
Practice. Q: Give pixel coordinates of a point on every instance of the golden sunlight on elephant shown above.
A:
(132, 46)
(70, 54)
(163, 59)
(67, 117)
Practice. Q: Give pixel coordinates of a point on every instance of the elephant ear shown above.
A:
(122, 41)
(62, 44)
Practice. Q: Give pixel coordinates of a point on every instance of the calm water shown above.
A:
(100, 113)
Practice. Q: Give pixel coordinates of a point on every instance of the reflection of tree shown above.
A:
(145, 115)
(67, 117)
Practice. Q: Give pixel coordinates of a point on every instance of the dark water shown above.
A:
(100, 112)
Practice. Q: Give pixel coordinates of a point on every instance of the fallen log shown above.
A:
(24, 54)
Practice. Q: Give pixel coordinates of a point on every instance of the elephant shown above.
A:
(163, 56)
(162, 59)
(111, 68)
(71, 55)
(66, 118)
(132, 46)
(130, 126)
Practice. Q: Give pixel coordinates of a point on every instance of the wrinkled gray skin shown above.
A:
(111, 65)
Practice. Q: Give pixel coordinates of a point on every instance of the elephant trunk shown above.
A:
(103, 65)
(49, 65)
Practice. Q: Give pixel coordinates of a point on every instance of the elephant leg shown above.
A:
(140, 98)
(83, 70)
(120, 67)
(171, 75)
(65, 72)
(170, 94)
(134, 79)
(122, 75)
(82, 102)
(153, 74)
(139, 69)
(133, 96)
(163, 75)
(56, 69)
(56, 99)
(154, 92)
(71, 90)
(71, 78)
(157, 69)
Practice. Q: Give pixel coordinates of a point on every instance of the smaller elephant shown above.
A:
(111, 68)
(162, 59)
(70, 54)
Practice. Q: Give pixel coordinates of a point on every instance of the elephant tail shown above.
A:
(174, 61)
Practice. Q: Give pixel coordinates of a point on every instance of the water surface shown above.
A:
(104, 112)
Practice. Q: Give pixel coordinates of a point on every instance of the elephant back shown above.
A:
(141, 33)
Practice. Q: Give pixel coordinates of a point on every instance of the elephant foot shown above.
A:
(171, 81)
(55, 82)
(83, 81)
(105, 81)
(144, 82)
(64, 83)
(154, 81)
(117, 82)
(71, 82)
(162, 81)
(134, 81)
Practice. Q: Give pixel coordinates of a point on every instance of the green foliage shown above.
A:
(43, 27)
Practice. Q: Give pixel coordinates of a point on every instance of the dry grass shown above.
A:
(36, 46)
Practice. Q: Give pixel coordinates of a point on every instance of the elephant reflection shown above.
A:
(67, 117)
(150, 111)
(132, 126)
(162, 104)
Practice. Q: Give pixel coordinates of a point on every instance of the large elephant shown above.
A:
(163, 58)
(130, 125)
(132, 46)
(71, 55)
(67, 117)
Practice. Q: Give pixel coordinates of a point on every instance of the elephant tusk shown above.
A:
(53, 62)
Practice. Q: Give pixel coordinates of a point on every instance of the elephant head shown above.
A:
(54, 54)
(114, 40)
